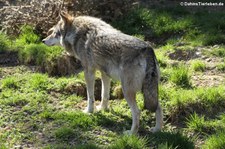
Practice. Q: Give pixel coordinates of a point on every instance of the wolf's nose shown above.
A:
(43, 41)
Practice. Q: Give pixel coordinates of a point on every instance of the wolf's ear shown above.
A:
(65, 17)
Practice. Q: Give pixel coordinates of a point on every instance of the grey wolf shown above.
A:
(116, 55)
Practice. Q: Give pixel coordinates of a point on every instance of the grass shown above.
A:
(221, 67)
(39, 103)
(215, 141)
(180, 76)
(198, 65)
(168, 22)
(127, 142)
(5, 44)
(219, 52)
(27, 36)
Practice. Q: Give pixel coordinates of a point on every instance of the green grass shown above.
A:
(27, 36)
(174, 140)
(10, 82)
(5, 43)
(221, 67)
(29, 47)
(219, 52)
(169, 22)
(127, 142)
(39, 103)
(215, 141)
(39, 54)
(180, 76)
(198, 65)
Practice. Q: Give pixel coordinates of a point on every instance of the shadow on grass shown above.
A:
(175, 139)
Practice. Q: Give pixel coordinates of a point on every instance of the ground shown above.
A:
(41, 111)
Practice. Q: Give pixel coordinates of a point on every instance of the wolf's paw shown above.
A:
(88, 110)
(155, 129)
(100, 107)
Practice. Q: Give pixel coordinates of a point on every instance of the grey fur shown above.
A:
(128, 59)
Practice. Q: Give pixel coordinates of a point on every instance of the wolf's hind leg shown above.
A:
(90, 82)
(159, 119)
(130, 97)
(105, 92)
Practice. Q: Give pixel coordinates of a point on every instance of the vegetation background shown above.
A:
(42, 90)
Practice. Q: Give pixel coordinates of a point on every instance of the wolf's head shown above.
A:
(58, 33)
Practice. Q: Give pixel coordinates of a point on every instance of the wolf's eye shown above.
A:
(49, 32)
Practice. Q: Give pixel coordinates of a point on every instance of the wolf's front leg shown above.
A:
(90, 83)
(105, 92)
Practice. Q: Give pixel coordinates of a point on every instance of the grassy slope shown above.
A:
(43, 112)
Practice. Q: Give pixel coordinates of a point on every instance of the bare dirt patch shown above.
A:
(183, 55)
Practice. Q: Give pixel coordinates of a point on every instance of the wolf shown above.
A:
(116, 55)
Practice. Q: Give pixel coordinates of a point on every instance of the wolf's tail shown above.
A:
(151, 80)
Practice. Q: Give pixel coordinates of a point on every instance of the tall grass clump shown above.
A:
(198, 65)
(9, 83)
(215, 141)
(221, 67)
(219, 52)
(33, 54)
(128, 142)
(39, 54)
(211, 95)
(196, 123)
(38, 82)
(180, 76)
(5, 43)
(172, 140)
